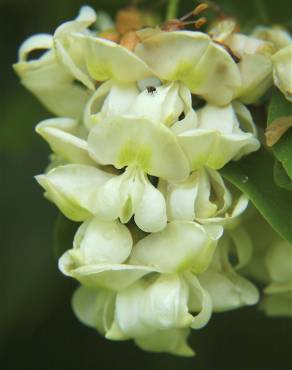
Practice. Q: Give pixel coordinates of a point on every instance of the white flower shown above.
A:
(148, 98)
(141, 142)
(277, 35)
(69, 51)
(282, 62)
(97, 258)
(101, 249)
(192, 58)
(141, 145)
(217, 136)
(51, 78)
(204, 198)
(227, 288)
(97, 308)
(254, 60)
(155, 311)
(156, 290)
(189, 57)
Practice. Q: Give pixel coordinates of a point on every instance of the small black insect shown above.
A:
(151, 90)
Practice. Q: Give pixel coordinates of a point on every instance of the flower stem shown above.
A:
(172, 9)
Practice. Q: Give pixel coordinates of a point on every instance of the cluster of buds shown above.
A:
(145, 118)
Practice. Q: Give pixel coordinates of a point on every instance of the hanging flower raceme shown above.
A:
(146, 119)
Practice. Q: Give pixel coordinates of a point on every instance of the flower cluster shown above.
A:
(145, 119)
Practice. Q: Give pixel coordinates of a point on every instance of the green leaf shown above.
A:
(64, 232)
(280, 176)
(253, 175)
(281, 107)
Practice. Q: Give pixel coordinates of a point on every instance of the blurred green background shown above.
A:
(37, 327)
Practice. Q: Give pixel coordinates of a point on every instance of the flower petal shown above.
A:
(141, 142)
(173, 55)
(165, 303)
(244, 117)
(99, 241)
(49, 81)
(228, 290)
(150, 212)
(256, 75)
(94, 105)
(94, 308)
(67, 145)
(68, 50)
(162, 105)
(73, 188)
(108, 60)
(200, 301)
(217, 139)
(173, 341)
(191, 57)
(145, 308)
(282, 62)
(180, 246)
(109, 276)
(202, 197)
(132, 194)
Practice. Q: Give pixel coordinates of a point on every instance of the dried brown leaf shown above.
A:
(277, 129)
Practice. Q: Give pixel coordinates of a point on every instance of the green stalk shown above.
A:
(172, 9)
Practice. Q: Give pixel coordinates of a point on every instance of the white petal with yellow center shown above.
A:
(191, 57)
(107, 60)
(132, 194)
(141, 142)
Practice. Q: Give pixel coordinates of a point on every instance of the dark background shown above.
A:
(37, 327)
